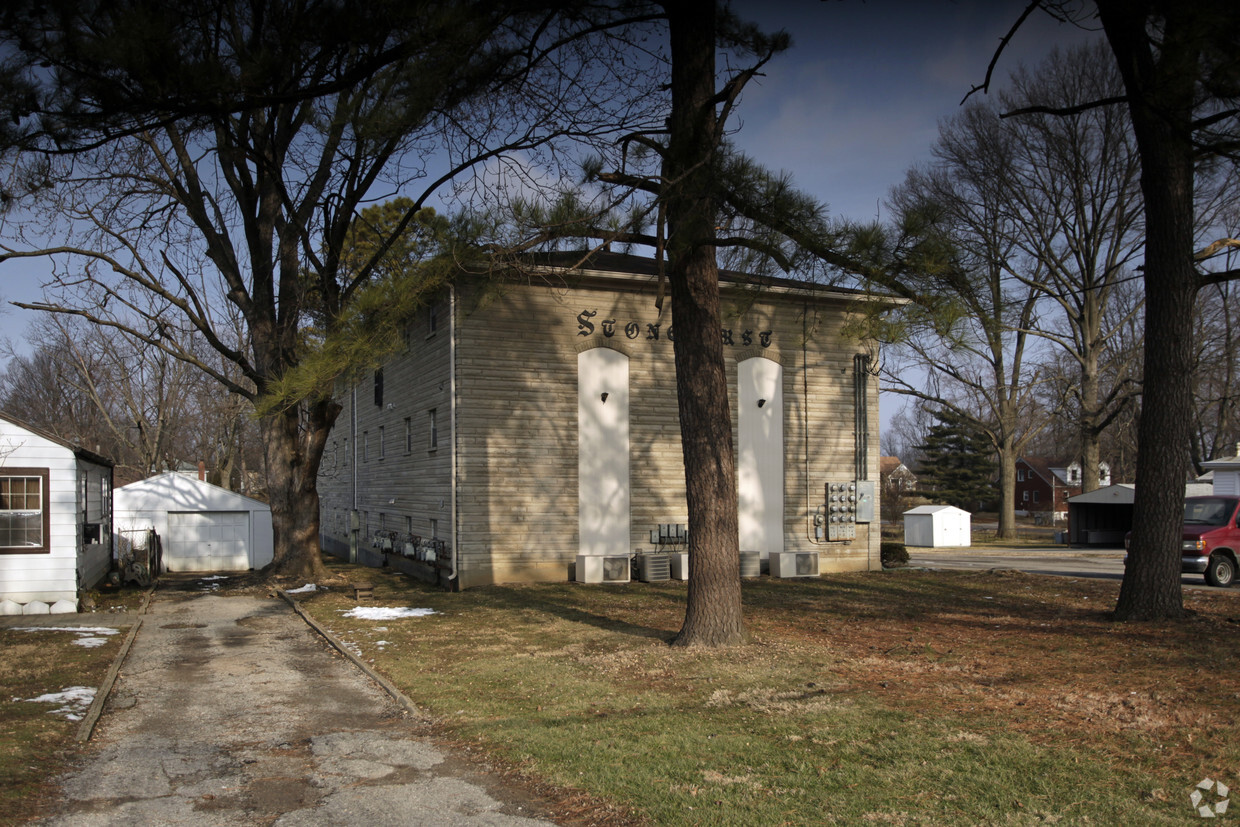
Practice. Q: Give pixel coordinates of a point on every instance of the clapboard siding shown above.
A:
(78, 490)
(409, 485)
(516, 441)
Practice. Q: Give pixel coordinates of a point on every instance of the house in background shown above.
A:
(1043, 486)
(1225, 474)
(201, 526)
(531, 421)
(55, 520)
(896, 476)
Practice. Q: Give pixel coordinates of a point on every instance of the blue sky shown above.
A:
(858, 98)
(846, 111)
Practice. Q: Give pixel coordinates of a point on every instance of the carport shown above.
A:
(1102, 517)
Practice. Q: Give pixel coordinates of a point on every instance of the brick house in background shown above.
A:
(1043, 485)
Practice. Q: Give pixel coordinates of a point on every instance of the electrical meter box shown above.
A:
(865, 501)
(841, 510)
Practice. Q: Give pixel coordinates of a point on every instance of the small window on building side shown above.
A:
(1035, 496)
(23, 513)
(365, 446)
(380, 442)
(408, 435)
(432, 318)
(1026, 497)
(379, 388)
(434, 429)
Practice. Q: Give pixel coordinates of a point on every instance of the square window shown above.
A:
(24, 520)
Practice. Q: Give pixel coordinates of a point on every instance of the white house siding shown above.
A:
(517, 440)
(95, 560)
(59, 573)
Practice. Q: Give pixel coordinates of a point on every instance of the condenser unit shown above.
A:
(654, 567)
(603, 568)
(751, 563)
(794, 564)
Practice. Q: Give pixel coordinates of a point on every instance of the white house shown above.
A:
(1226, 472)
(55, 520)
(201, 526)
(932, 526)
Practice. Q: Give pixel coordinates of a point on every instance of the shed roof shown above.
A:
(78, 450)
(934, 509)
(183, 494)
(1118, 494)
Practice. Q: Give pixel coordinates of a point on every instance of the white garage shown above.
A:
(201, 526)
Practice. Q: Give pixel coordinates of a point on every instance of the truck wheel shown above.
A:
(1221, 570)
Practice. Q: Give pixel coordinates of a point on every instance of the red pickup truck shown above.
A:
(1211, 538)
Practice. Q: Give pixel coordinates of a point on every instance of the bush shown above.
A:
(893, 555)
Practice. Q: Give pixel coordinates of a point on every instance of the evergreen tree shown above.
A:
(957, 467)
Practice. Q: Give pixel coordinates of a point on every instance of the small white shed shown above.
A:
(55, 520)
(201, 526)
(931, 526)
(1226, 474)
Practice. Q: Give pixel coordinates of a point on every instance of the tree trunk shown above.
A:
(1007, 489)
(293, 443)
(1091, 416)
(713, 612)
(1160, 94)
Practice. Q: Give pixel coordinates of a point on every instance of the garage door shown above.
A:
(207, 541)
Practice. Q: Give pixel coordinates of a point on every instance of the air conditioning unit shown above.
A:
(603, 568)
(680, 565)
(794, 564)
(654, 567)
(751, 564)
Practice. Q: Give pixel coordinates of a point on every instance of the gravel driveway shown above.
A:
(230, 710)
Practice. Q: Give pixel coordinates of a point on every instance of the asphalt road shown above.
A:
(1104, 564)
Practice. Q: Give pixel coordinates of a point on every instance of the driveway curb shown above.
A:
(390, 688)
(87, 727)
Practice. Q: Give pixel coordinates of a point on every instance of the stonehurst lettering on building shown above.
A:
(651, 331)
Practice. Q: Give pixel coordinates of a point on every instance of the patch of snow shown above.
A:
(214, 577)
(80, 630)
(306, 589)
(89, 636)
(382, 613)
(75, 701)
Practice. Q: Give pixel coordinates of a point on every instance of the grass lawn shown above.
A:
(901, 697)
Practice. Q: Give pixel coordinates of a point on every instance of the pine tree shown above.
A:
(957, 466)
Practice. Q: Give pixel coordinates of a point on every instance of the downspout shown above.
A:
(811, 511)
(453, 580)
(353, 518)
